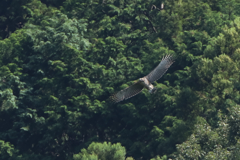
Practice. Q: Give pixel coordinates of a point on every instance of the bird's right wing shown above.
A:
(159, 71)
(127, 92)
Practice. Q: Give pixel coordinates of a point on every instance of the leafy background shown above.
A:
(61, 60)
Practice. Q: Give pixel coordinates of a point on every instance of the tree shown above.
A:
(58, 70)
(103, 151)
(13, 15)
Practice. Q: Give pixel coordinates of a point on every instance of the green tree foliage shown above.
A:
(212, 143)
(6, 150)
(103, 151)
(58, 70)
(13, 15)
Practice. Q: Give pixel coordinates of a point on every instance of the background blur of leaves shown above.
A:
(61, 60)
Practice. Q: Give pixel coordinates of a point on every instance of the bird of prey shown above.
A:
(144, 82)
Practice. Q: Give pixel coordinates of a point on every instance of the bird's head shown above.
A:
(141, 79)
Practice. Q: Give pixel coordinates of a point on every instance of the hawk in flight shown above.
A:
(145, 82)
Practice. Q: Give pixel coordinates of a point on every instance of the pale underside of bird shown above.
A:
(144, 82)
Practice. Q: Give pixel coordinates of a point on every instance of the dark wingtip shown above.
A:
(111, 100)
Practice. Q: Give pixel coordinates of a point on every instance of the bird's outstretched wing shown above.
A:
(127, 92)
(159, 71)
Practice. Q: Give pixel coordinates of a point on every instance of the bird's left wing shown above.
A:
(127, 92)
(159, 71)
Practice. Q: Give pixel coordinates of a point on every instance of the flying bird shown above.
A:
(144, 82)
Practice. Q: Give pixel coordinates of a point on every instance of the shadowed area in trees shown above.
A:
(61, 60)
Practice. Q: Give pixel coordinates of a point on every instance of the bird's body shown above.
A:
(144, 82)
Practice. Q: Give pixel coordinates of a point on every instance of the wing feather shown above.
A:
(159, 71)
(127, 92)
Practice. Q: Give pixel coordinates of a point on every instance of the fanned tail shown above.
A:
(152, 91)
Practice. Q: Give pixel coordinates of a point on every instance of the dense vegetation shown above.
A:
(60, 60)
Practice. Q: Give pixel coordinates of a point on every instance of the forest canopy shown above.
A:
(60, 60)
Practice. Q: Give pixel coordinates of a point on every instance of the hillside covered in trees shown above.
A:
(60, 60)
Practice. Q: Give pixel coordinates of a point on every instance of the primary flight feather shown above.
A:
(145, 82)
